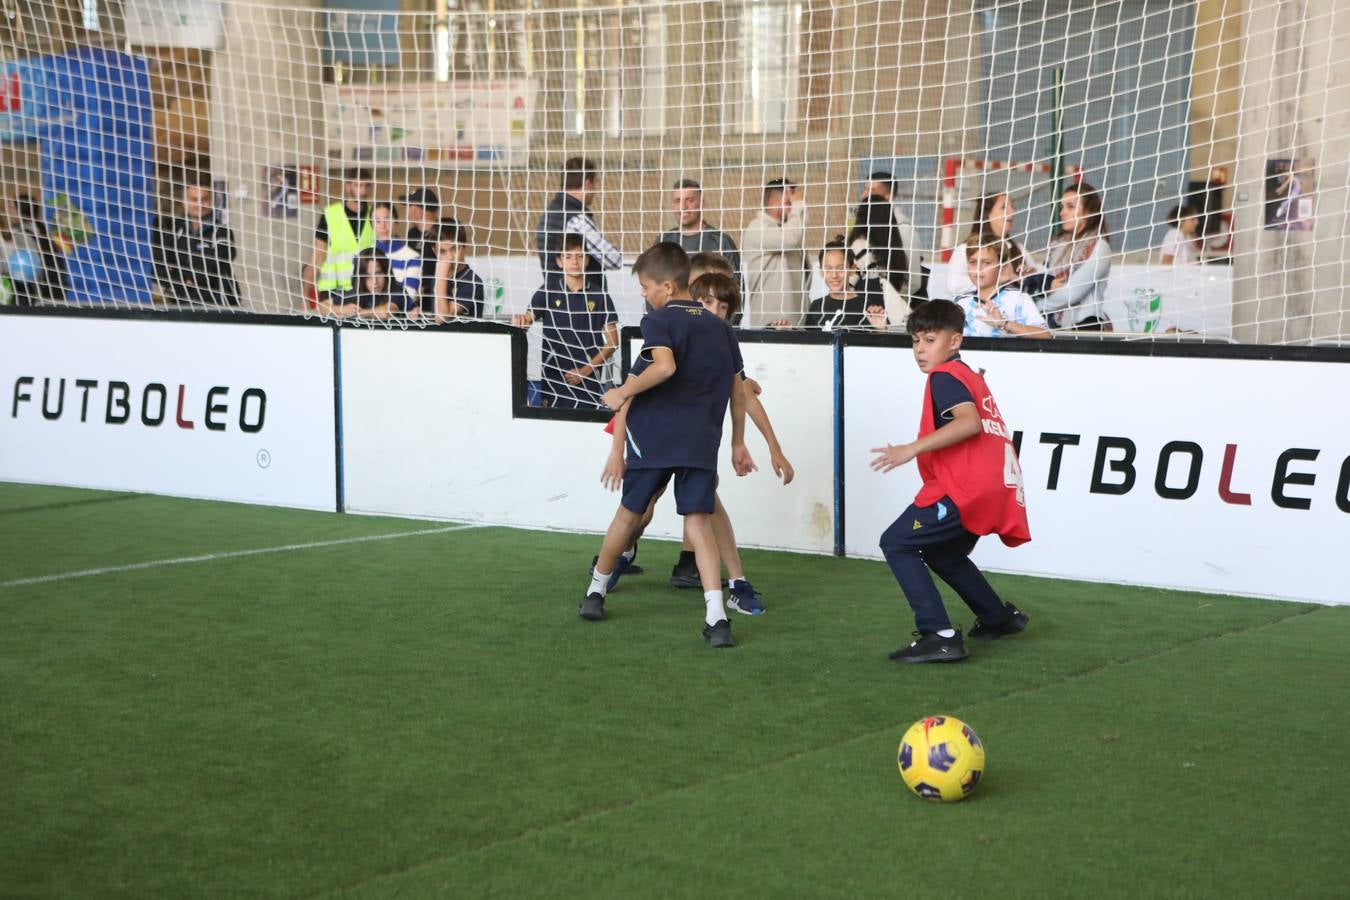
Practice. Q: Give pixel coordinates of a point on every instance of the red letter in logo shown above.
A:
(1226, 479)
(183, 423)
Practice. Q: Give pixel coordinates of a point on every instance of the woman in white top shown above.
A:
(1183, 245)
(1078, 263)
(993, 215)
(996, 308)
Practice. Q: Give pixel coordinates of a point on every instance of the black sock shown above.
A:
(686, 557)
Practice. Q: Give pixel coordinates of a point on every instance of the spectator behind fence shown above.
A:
(776, 271)
(569, 212)
(194, 253)
(344, 230)
(459, 291)
(580, 329)
(889, 235)
(376, 294)
(34, 265)
(405, 264)
(997, 308)
(693, 232)
(846, 305)
(1183, 245)
(1078, 263)
(993, 215)
(701, 264)
(421, 209)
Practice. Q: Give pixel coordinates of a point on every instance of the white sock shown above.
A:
(630, 553)
(599, 584)
(946, 632)
(736, 581)
(716, 611)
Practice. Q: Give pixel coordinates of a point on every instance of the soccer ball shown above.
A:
(941, 758)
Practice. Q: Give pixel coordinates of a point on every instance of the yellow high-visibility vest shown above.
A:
(336, 272)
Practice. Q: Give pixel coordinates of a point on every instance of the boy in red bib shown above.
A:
(972, 486)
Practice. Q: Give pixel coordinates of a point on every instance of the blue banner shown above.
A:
(363, 33)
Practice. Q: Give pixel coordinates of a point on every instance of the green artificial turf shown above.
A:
(426, 716)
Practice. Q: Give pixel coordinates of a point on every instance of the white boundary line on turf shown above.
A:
(209, 557)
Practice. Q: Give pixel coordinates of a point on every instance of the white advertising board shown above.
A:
(453, 124)
(1210, 474)
(452, 450)
(191, 409)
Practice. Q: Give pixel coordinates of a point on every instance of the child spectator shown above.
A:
(1183, 245)
(996, 308)
(47, 264)
(194, 253)
(377, 295)
(846, 305)
(993, 215)
(972, 486)
(675, 401)
(404, 262)
(1078, 263)
(581, 329)
(459, 290)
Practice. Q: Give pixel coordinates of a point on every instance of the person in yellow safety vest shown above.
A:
(344, 230)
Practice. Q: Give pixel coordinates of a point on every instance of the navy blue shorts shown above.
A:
(695, 489)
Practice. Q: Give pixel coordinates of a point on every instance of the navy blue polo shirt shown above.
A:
(574, 321)
(466, 289)
(678, 423)
(947, 392)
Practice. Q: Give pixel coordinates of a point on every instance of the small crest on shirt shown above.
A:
(557, 303)
(590, 306)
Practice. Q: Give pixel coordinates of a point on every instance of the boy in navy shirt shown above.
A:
(676, 398)
(458, 292)
(581, 329)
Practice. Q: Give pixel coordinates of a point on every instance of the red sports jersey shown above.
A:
(981, 473)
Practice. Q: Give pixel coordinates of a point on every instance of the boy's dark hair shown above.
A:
(572, 241)
(720, 289)
(665, 261)
(355, 174)
(706, 261)
(385, 205)
(936, 315)
(1182, 212)
(576, 172)
(885, 178)
(684, 183)
(456, 231)
(775, 186)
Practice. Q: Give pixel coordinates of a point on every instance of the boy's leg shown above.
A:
(695, 500)
(952, 563)
(902, 544)
(744, 598)
(639, 487)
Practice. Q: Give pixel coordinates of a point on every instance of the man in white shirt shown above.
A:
(773, 253)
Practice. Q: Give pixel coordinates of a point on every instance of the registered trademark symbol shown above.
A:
(264, 459)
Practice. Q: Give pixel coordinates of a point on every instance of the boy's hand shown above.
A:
(576, 376)
(892, 456)
(741, 461)
(614, 399)
(612, 475)
(523, 320)
(876, 317)
(781, 467)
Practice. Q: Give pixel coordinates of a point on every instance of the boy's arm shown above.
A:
(662, 368)
(965, 424)
(781, 467)
(612, 474)
(740, 456)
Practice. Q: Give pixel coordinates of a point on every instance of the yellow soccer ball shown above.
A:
(941, 758)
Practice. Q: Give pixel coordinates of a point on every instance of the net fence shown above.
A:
(1140, 169)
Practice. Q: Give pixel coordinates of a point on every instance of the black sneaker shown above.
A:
(1014, 623)
(932, 648)
(719, 635)
(592, 608)
(685, 575)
